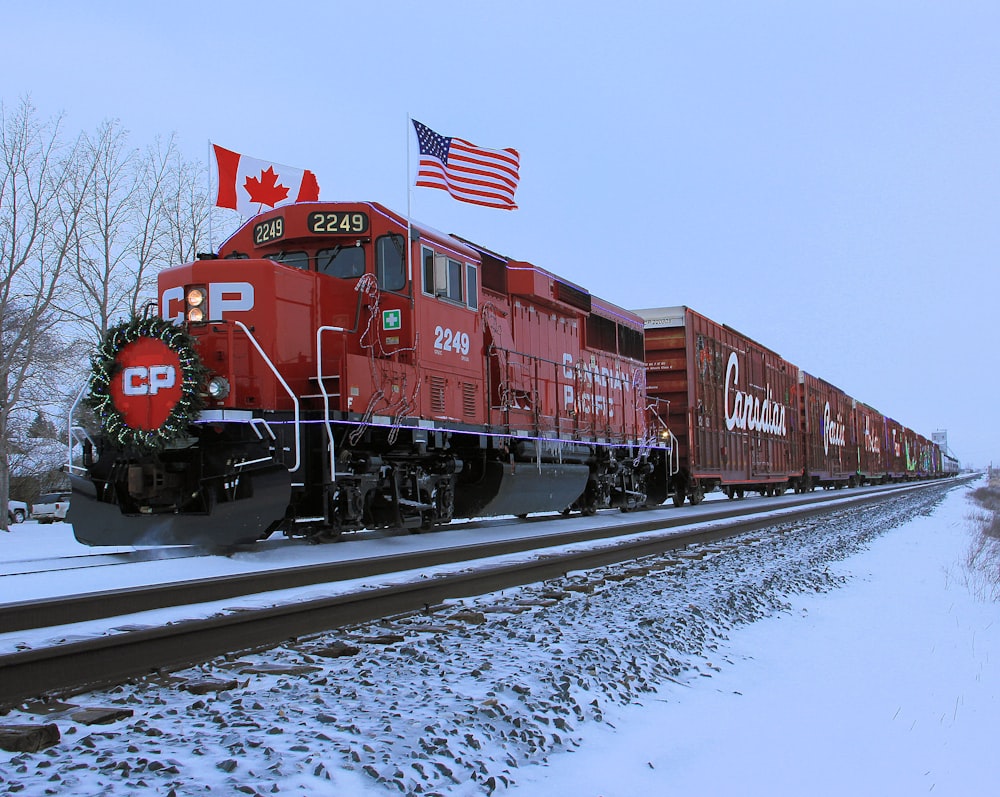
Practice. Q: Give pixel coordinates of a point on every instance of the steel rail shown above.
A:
(77, 666)
(62, 610)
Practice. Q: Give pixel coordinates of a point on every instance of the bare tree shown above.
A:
(144, 212)
(35, 447)
(120, 237)
(188, 211)
(41, 192)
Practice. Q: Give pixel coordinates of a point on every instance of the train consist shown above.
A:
(748, 420)
(337, 366)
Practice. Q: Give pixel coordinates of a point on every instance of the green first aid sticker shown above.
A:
(391, 319)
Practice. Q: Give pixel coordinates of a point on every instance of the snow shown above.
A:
(869, 674)
(29, 549)
(885, 687)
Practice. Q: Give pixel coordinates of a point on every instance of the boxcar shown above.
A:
(727, 399)
(829, 441)
(896, 451)
(870, 434)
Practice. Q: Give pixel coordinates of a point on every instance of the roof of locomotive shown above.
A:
(457, 243)
(302, 209)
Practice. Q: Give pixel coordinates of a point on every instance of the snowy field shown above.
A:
(848, 656)
(885, 687)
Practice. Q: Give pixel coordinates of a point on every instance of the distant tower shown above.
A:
(941, 438)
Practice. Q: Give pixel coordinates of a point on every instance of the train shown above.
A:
(338, 366)
(747, 420)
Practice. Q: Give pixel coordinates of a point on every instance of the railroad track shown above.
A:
(63, 610)
(128, 652)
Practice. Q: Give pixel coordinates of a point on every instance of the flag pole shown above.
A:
(211, 204)
(409, 192)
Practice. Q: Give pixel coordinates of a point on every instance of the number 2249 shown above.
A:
(451, 340)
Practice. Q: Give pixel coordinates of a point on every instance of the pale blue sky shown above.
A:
(822, 176)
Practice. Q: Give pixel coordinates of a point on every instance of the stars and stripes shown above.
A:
(469, 173)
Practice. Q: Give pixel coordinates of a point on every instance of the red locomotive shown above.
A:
(336, 367)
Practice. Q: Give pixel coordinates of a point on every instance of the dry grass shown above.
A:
(982, 560)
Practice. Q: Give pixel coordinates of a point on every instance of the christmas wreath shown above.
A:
(104, 394)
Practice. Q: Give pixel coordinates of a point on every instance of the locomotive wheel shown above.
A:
(325, 535)
(678, 499)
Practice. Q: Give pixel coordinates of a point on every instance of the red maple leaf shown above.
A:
(266, 190)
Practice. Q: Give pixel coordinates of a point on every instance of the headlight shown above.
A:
(218, 387)
(196, 300)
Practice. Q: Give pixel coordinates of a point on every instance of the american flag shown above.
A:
(469, 173)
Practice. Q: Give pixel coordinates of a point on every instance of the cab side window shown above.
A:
(453, 290)
(390, 262)
(450, 279)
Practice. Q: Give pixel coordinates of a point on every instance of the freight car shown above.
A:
(745, 419)
(730, 404)
(828, 437)
(336, 366)
(869, 440)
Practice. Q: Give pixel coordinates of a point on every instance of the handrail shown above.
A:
(295, 402)
(326, 396)
(284, 384)
(71, 428)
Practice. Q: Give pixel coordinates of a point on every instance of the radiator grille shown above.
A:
(469, 408)
(437, 394)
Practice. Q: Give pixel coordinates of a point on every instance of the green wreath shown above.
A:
(104, 367)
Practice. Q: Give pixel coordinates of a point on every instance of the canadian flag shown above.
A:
(251, 186)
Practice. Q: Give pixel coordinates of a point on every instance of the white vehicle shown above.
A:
(50, 507)
(17, 511)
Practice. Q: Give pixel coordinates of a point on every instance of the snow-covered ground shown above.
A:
(843, 657)
(885, 687)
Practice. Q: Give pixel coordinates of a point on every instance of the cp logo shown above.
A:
(141, 380)
(148, 384)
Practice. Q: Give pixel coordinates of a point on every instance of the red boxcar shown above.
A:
(869, 431)
(829, 441)
(728, 400)
(895, 450)
(927, 458)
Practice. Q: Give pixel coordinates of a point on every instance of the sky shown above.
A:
(823, 176)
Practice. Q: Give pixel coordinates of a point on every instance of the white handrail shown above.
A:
(295, 402)
(284, 384)
(70, 428)
(326, 396)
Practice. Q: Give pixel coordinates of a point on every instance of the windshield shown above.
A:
(296, 259)
(344, 262)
